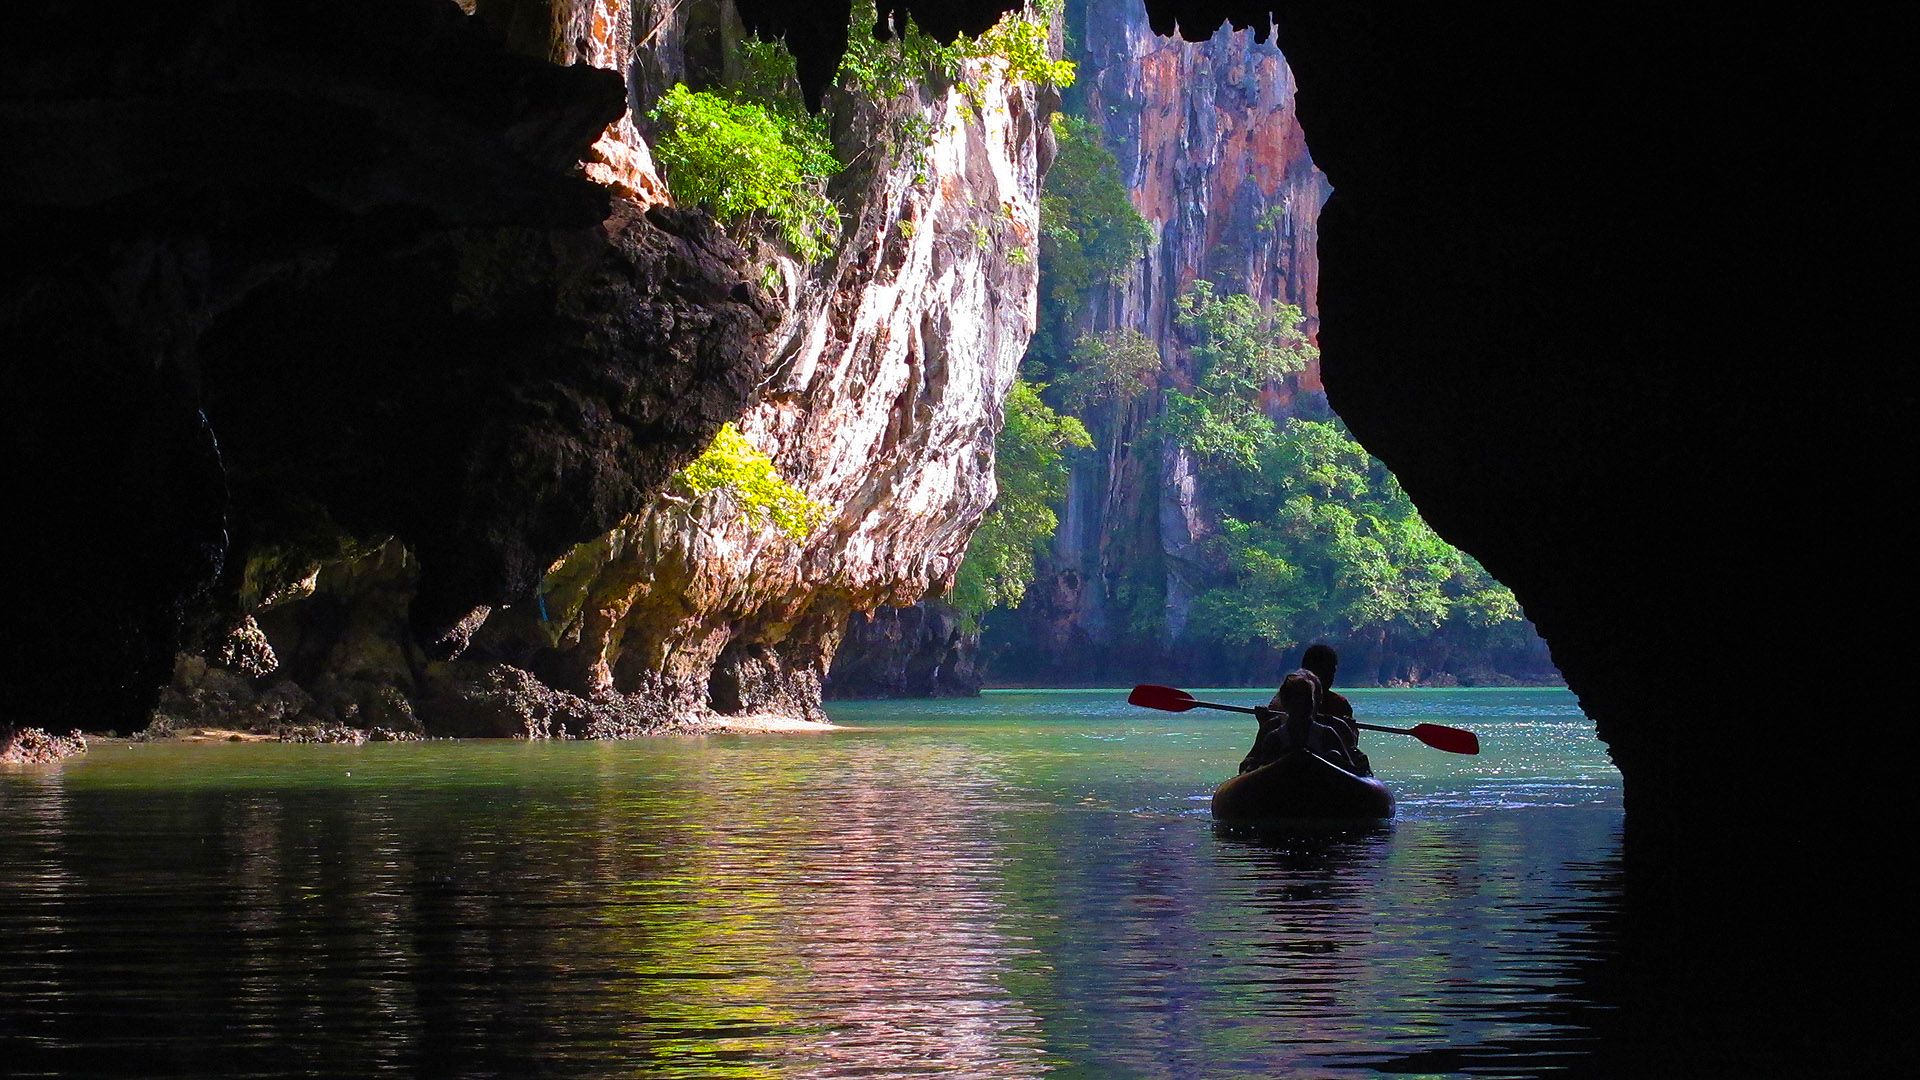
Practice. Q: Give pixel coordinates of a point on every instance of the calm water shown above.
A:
(1019, 885)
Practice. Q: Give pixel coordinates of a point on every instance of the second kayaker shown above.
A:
(1291, 720)
(1335, 709)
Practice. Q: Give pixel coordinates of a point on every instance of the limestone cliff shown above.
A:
(881, 403)
(1215, 160)
(877, 393)
(1211, 152)
(1213, 156)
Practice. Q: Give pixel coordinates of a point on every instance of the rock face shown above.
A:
(1213, 156)
(881, 402)
(1214, 159)
(1210, 148)
(287, 283)
(457, 529)
(34, 746)
(906, 652)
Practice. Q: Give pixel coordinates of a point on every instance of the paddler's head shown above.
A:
(1300, 696)
(1322, 661)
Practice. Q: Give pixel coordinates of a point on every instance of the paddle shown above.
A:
(1451, 739)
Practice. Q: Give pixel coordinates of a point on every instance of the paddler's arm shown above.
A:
(1343, 726)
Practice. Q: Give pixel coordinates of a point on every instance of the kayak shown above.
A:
(1301, 786)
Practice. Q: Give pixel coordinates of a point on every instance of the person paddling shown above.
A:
(1335, 710)
(1290, 720)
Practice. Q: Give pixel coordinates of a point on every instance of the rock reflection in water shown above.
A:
(999, 889)
(835, 917)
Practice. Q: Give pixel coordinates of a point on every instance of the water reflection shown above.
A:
(1016, 898)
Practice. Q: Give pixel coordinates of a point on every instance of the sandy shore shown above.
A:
(733, 725)
(727, 725)
(220, 735)
(26, 748)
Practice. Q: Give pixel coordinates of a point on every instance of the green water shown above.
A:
(1023, 884)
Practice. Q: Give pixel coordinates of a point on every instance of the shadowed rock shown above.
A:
(288, 280)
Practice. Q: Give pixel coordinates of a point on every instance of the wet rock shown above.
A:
(34, 746)
(246, 651)
(338, 734)
(501, 701)
(918, 651)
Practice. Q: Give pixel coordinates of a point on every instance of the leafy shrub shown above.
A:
(1327, 544)
(748, 163)
(1117, 366)
(1237, 350)
(886, 69)
(731, 464)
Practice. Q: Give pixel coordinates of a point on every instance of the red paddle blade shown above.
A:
(1148, 696)
(1451, 739)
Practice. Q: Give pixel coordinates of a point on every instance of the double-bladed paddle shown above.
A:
(1451, 739)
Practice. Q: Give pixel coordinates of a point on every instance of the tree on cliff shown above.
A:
(732, 465)
(1115, 367)
(1237, 350)
(1321, 541)
(1031, 470)
(750, 163)
(1090, 234)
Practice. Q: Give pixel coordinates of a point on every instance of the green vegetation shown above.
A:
(1317, 538)
(732, 465)
(886, 69)
(1117, 366)
(749, 163)
(749, 150)
(1090, 234)
(1237, 350)
(1031, 469)
(1020, 40)
(1320, 541)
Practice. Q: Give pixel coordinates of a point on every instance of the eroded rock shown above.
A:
(284, 283)
(34, 746)
(881, 402)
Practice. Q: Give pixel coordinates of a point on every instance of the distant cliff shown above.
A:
(1215, 160)
(1213, 156)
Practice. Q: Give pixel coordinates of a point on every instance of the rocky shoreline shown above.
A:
(36, 746)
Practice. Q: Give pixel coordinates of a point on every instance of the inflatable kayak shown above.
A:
(1301, 786)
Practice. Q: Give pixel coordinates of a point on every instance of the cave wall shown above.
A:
(1551, 302)
(1611, 294)
(284, 284)
(626, 609)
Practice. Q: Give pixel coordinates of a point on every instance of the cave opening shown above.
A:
(1608, 294)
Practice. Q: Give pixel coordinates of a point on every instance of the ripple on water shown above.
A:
(1003, 888)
